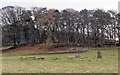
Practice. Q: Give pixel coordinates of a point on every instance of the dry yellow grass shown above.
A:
(108, 64)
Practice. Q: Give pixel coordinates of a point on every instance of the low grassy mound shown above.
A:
(41, 49)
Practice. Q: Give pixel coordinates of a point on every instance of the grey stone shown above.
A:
(76, 56)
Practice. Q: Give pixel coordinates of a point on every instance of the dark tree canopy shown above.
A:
(41, 25)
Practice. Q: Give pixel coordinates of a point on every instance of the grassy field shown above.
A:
(0, 62)
(108, 64)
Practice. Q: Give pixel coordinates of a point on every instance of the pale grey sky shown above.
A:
(62, 4)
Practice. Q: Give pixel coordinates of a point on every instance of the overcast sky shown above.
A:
(62, 4)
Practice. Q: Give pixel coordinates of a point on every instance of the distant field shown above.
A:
(108, 64)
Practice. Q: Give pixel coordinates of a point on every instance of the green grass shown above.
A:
(108, 64)
(0, 62)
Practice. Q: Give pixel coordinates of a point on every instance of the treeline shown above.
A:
(41, 25)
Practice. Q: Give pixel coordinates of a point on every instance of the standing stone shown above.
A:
(99, 54)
